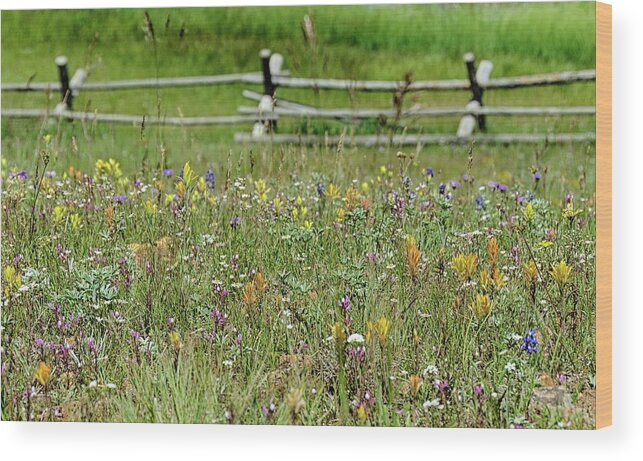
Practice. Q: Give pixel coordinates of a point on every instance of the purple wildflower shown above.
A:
(120, 198)
(301, 348)
(345, 303)
(136, 336)
(357, 354)
(441, 384)
(22, 175)
(268, 410)
(168, 172)
(234, 222)
(429, 172)
(398, 205)
(219, 318)
(454, 184)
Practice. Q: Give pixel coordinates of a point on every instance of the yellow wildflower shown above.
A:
(361, 414)
(341, 215)
(250, 294)
(43, 374)
(276, 203)
(12, 279)
(175, 340)
(481, 307)
(332, 191)
(189, 177)
(382, 328)
(530, 270)
(484, 279)
(465, 265)
(108, 168)
(528, 212)
(260, 282)
(561, 273)
(75, 221)
(150, 207)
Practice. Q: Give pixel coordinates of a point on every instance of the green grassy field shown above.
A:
(426, 286)
(377, 42)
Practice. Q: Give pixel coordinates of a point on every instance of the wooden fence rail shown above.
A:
(256, 78)
(414, 139)
(131, 119)
(419, 113)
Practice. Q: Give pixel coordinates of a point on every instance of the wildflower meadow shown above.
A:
(157, 276)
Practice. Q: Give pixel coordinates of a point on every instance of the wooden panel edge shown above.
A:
(603, 215)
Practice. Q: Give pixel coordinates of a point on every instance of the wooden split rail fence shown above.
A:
(271, 108)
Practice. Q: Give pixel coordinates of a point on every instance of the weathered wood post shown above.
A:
(478, 78)
(65, 89)
(476, 89)
(268, 86)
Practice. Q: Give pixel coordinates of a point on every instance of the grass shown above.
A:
(139, 295)
(428, 40)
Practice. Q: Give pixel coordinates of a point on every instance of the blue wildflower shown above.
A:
(210, 179)
(442, 188)
(429, 172)
(530, 342)
(480, 201)
(168, 172)
(321, 188)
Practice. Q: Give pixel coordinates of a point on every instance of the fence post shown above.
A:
(476, 90)
(65, 90)
(268, 86)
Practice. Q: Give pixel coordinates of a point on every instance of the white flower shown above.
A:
(430, 370)
(355, 338)
(435, 403)
(510, 367)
